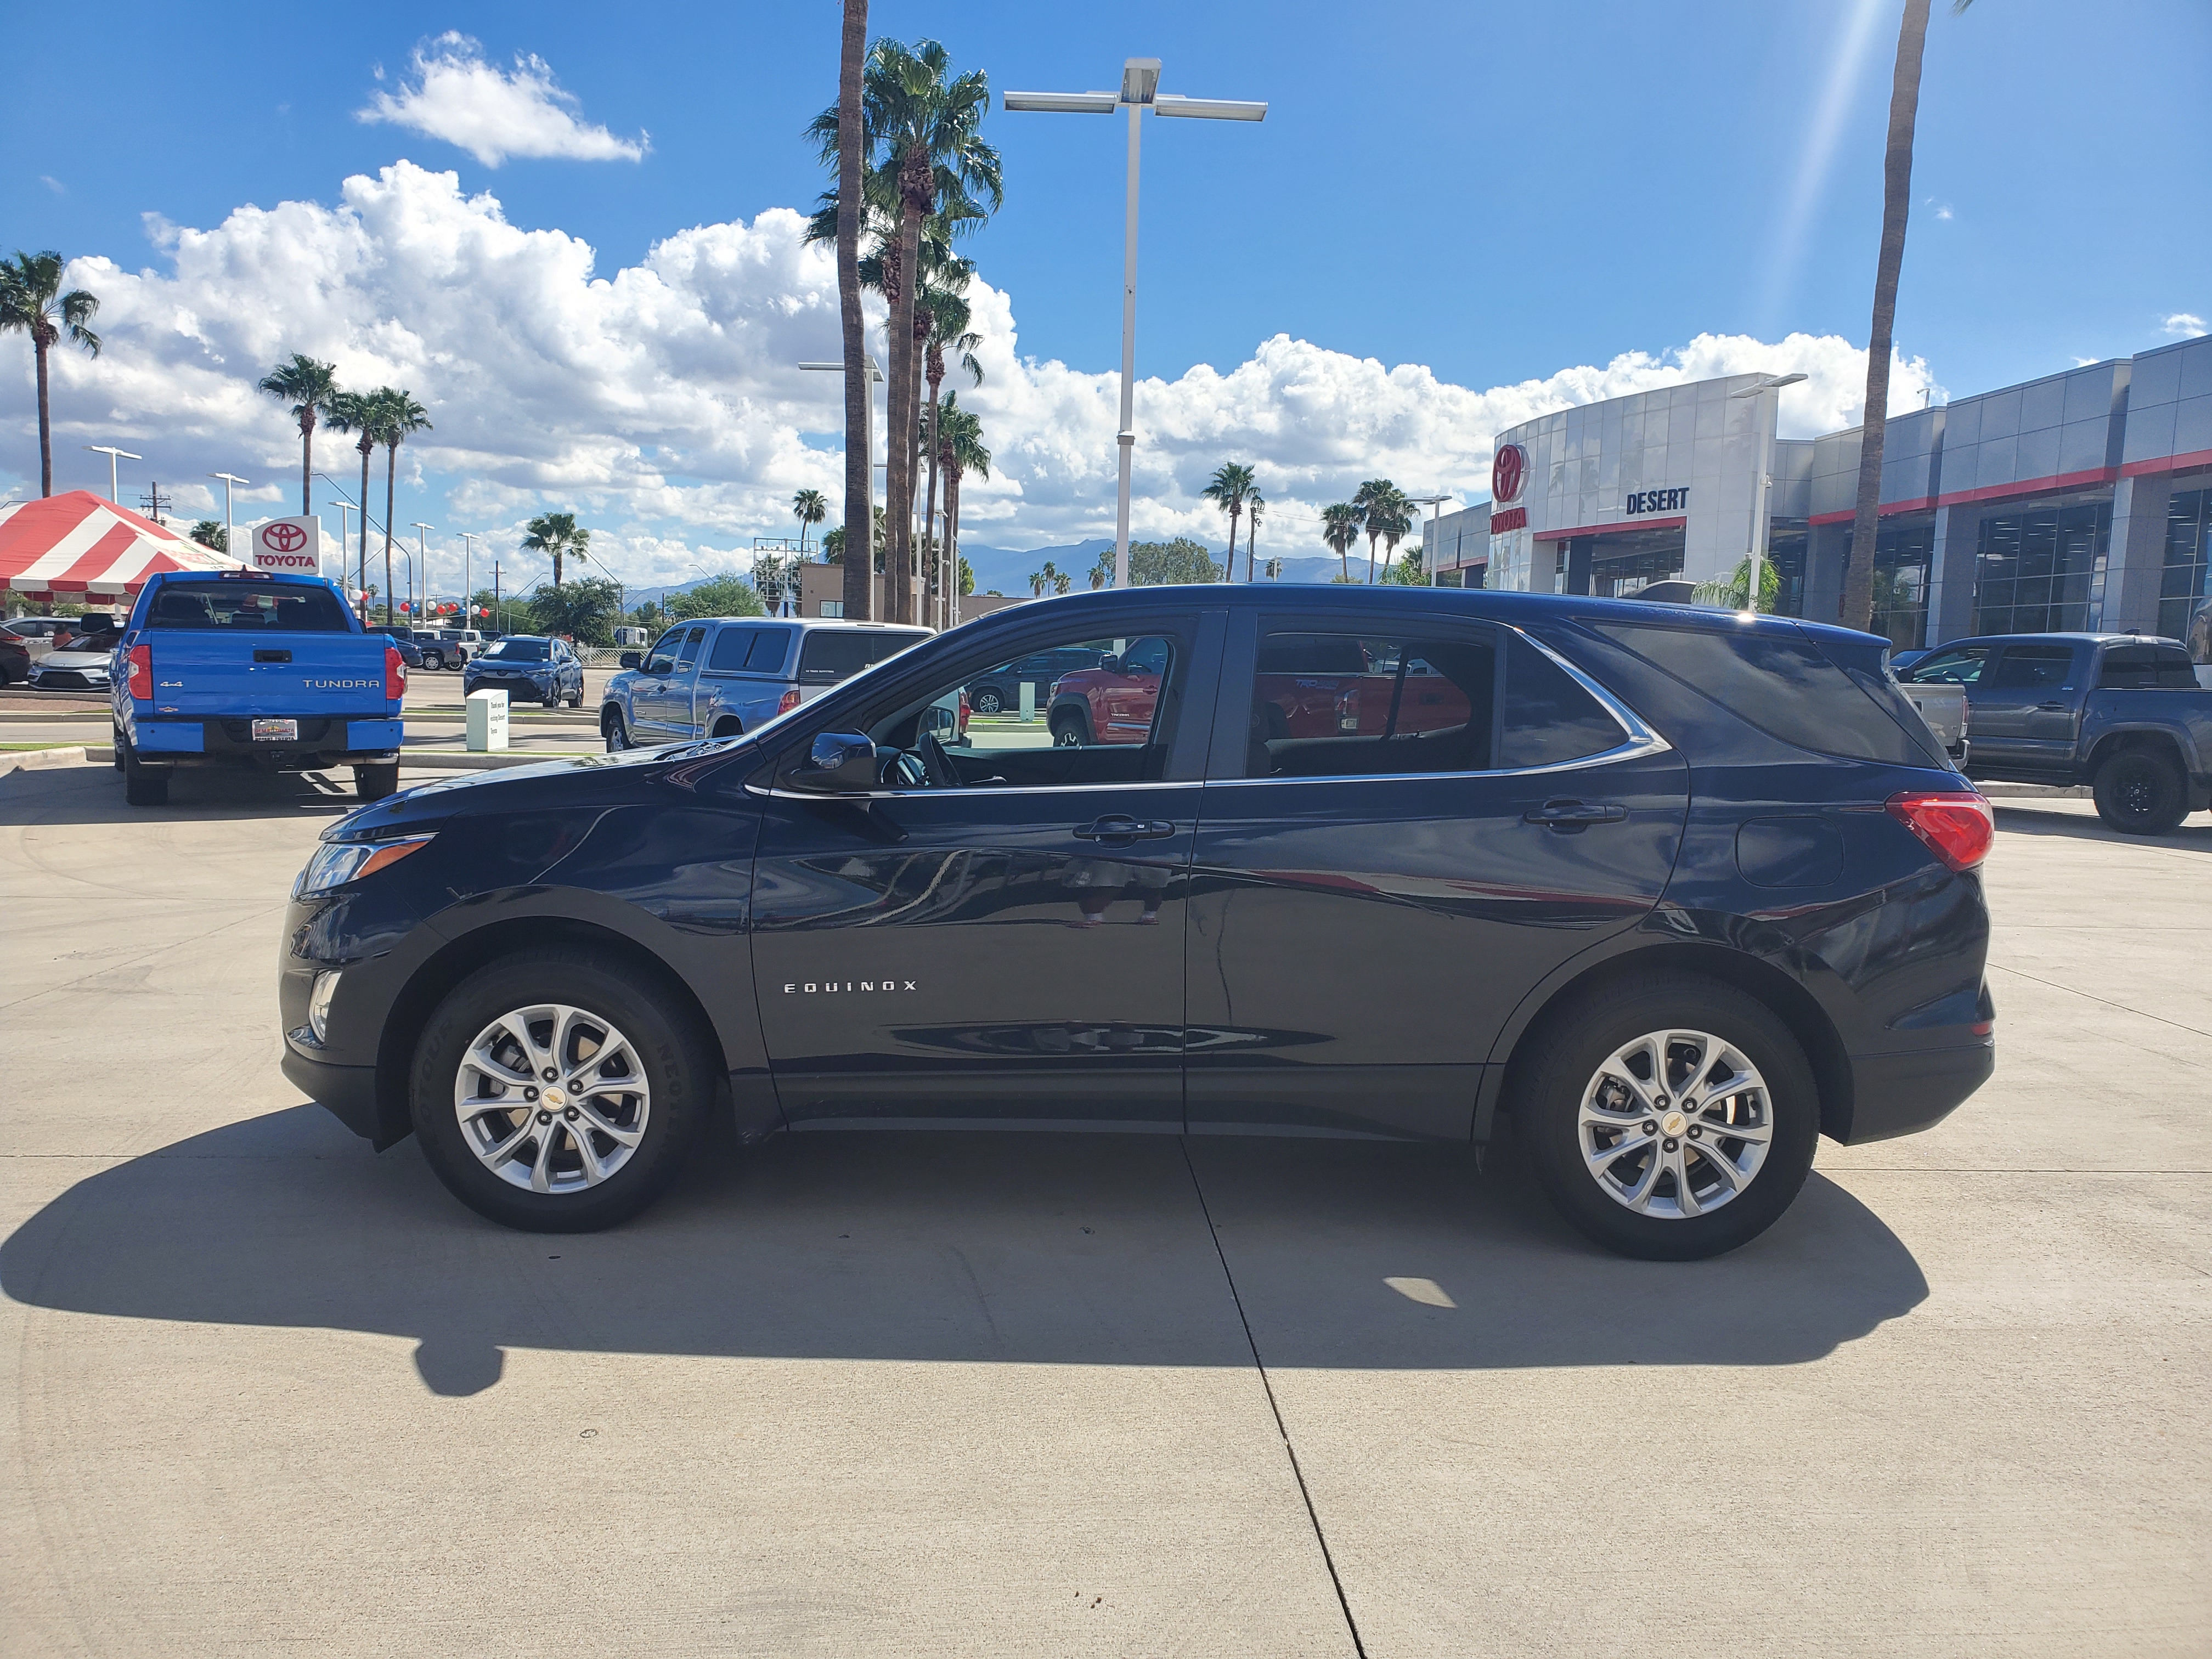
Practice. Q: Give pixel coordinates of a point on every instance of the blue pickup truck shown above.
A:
(256, 670)
(719, 676)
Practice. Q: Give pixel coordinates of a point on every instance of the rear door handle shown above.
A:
(1570, 816)
(1117, 826)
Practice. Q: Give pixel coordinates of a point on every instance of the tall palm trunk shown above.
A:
(367, 447)
(1896, 202)
(936, 361)
(951, 539)
(391, 489)
(1373, 536)
(1250, 537)
(1229, 570)
(916, 196)
(307, 458)
(39, 342)
(859, 485)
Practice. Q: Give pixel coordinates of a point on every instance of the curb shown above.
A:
(104, 755)
(38, 760)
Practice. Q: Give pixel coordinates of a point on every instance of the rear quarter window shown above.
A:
(832, 654)
(1790, 688)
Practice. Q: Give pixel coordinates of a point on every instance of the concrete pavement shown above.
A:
(898, 1394)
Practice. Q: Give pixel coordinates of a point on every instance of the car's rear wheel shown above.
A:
(986, 701)
(144, 785)
(2141, 792)
(434, 660)
(376, 781)
(1673, 1119)
(615, 731)
(554, 1094)
(115, 750)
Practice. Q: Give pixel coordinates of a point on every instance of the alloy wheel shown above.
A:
(1674, 1124)
(552, 1098)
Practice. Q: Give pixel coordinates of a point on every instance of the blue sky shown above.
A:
(1497, 194)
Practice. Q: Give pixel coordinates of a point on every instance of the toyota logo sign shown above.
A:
(283, 537)
(1508, 472)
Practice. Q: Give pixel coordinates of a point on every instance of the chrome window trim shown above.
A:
(778, 792)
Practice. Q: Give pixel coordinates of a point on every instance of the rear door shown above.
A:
(1368, 906)
(2021, 713)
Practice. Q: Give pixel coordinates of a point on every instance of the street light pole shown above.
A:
(229, 535)
(468, 593)
(345, 507)
(1767, 412)
(112, 452)
(1141, 79)
(1435, 504)
(422, 542)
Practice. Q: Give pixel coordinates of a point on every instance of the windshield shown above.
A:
(513, 650)
(286, 607)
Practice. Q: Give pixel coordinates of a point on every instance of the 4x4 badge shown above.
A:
(810, 988)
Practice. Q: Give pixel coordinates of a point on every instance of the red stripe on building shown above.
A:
(2099, 475)
(1674, 523)
(1918, 504)
(2168, 463)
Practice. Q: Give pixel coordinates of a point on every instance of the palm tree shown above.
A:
(1255, 504)
(1896, 202)
(1397, 524)
(1103, 571)
(559, 535)
(310, 387)
(810, 506)
(1036, 584)
(959, 451)
(925, 123)
(851, 151)
(398, 417)
(1228, 489)
(946, 311)
(1062, 580)
(1380, 502)
(31, 300)
(1341, 529)
(356, 412)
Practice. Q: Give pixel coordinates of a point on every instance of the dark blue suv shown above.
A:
(1675, 890)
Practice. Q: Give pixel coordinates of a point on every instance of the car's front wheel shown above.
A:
(376, 781)
(1068, 730)
(555, 1095)
(1673, 1119)
(615, 731)
(2141, 792)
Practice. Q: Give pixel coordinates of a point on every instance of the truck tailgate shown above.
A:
(230, 673)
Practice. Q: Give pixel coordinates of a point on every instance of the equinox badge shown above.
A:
(810, 988)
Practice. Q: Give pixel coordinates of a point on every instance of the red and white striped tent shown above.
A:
(78, 546)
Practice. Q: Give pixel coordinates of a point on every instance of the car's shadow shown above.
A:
(1038, 1249)
(94, 795)
(2028, 818)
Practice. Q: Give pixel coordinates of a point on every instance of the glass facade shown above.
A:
(1786, 552)
(2041, 571)
(2186, 582)
(1901, 558)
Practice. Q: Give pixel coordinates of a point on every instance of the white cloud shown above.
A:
(2184, 326)
(458, 96)
(664, 404)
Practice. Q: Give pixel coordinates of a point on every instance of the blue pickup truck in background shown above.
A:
(255, 670)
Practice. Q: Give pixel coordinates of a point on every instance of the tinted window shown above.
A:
(766, 656)
(835, 654)
(1548, 719)
(2145, 668)
(1392, 706)
(518, 650)
(261, 604)
(1782, 684)
(731, 646)
(1961, 667)
(2034, 668)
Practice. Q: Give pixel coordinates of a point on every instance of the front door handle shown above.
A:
(1117, 826)
(2054, 708)
(1571, 817)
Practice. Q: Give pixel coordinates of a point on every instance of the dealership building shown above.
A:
(2080, 500)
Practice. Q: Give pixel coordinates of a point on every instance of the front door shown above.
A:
(1369, 906)
(662, 701)
(997, 936)
(2021, 714)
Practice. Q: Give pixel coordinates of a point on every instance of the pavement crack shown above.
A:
(1274, 1408)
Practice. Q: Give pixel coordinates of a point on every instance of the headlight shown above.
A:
(336, 863)
(319, 1003)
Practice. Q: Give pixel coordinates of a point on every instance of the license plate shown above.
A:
(275, 731)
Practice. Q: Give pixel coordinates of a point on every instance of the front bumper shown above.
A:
(348, 1092)
(517, 690)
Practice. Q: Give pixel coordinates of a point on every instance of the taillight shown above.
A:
(788, 701)
(1956, 824)
(142, 672)
(395, 674)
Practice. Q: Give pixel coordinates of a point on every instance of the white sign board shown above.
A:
(289, 545)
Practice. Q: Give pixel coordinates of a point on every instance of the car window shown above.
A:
(2034, 668)
(1548, 719)
(1408, 705)
(2145, 668)
(832, 654)
(1962, 666)
(730, 649)
(687, 652)
(223, 602)
(767, 654)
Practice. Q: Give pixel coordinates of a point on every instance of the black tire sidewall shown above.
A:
(1568, 1054)
(673, 1057)
(2172, 802)
(614, 730)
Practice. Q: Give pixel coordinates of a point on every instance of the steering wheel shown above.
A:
(903, 770)
(936, 765)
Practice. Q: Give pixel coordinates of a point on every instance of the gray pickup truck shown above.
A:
(2120, 712)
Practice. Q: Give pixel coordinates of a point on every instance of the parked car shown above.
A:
(1694, 890)
(78, 662)
(529, 668)
(1944, 707)
(39, 631)
(2120, 712)
(997, 689)
(14, 657)
(410, 653)
(720, 676)
(253, 669)
(435, 651)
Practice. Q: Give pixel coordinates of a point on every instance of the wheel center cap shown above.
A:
(1674, 1123)
(555, 1097)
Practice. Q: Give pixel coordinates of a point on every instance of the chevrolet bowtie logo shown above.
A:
(811, 988)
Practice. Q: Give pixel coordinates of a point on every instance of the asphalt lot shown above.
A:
(897, 1395)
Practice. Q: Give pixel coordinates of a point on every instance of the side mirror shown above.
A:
(1110, 664)
(838, 763)
(632, 659)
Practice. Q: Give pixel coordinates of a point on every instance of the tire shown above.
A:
(434, 660)
(988, 700)
(613, 729)
(1070, 730)
(376, 781)
(551, 699)
(727, 729)
(143, 786)
(549, 1187)
(115, 751)
(2141, 791)
(577, 702)
(1578, 1059)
